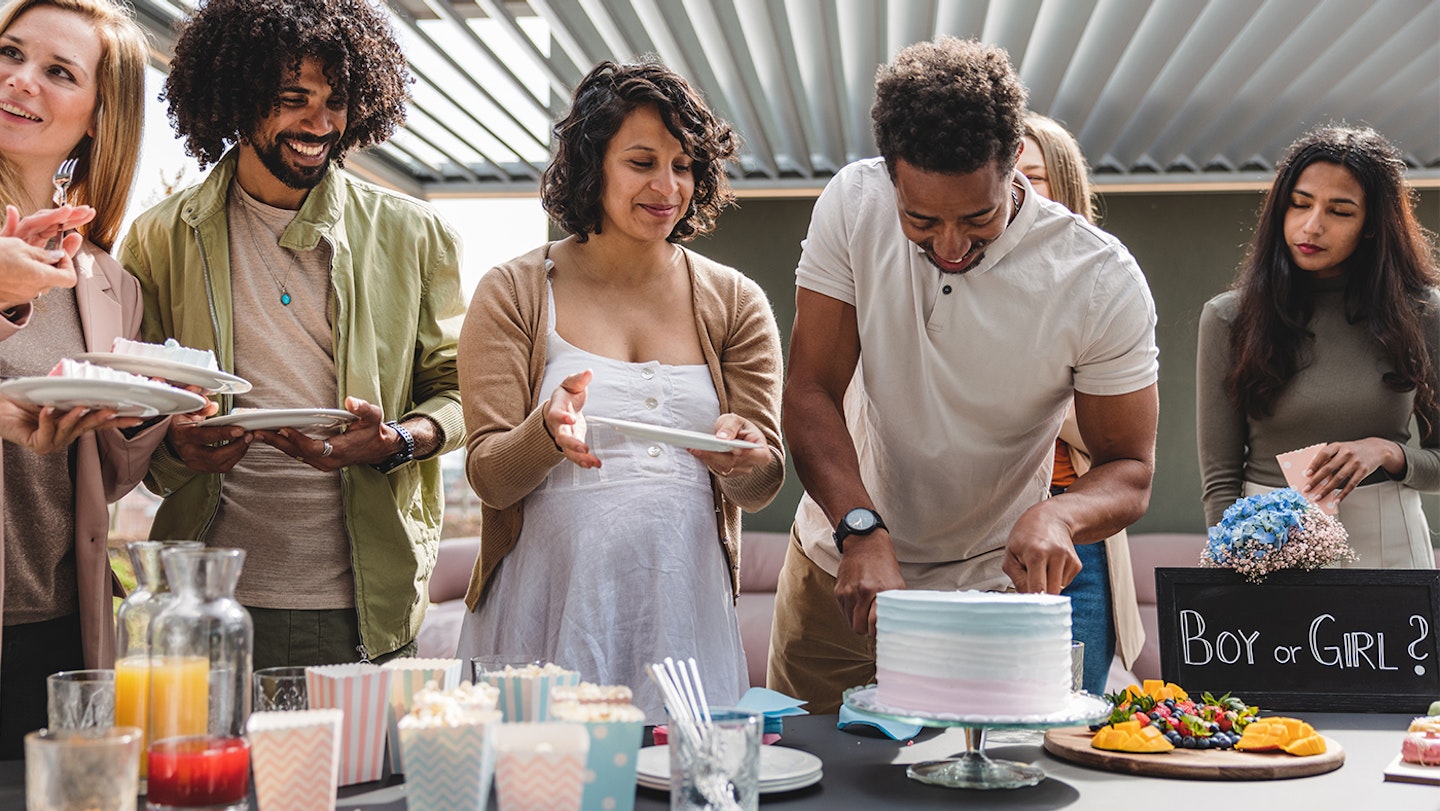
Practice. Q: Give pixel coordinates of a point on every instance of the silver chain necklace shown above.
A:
(281, 284)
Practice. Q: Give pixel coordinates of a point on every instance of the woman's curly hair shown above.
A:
(949, 106)
(231, 57)
(573, 183)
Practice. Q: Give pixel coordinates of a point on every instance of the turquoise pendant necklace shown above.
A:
(281, 284)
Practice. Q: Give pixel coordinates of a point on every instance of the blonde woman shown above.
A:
(71, 86)
(1105, 615)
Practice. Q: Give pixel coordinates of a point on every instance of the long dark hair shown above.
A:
(1393, 271)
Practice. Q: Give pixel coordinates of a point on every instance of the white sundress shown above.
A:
(620, 566)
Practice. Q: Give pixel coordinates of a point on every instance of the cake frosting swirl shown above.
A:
(972, 652)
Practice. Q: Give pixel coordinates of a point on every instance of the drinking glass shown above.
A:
(281, 689)
(96, 769)
(80, 699)
(1077, 666)
(719, 769)
(480, 665)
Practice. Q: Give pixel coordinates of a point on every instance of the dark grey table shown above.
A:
(867, 774)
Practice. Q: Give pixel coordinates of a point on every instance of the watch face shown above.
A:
(860, 520)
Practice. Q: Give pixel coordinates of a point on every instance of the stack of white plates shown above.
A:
(781, 769)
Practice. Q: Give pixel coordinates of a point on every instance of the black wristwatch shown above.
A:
(400, 457)
(859, 521)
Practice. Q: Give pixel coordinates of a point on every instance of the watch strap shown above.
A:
(406, 452)
(843, 530)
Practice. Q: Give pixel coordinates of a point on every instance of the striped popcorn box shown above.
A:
(407, 676)
(525, 692)
(363, 692)
(540, 766)
(615, 733)
(296, 757)
(451, 765)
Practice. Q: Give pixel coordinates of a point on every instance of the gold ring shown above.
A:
(299, 458)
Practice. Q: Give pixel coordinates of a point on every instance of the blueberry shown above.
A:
(1173, 737)
(1188, 743)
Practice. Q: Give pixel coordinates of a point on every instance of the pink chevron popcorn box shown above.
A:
(446, 740)
(407, 677)
(362, 691)
(296, 757)
(525, 692)
(615, 732)
(1293, 465)
(540, 766)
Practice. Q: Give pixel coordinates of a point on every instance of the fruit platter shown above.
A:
(1158, 729)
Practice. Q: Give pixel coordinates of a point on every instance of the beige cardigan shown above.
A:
(1129, 632)
(107, 464)
(502, 364)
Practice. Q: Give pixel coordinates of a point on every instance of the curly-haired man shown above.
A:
(323, 291)
(944, 316)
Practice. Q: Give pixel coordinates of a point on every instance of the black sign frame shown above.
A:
(1366, 599)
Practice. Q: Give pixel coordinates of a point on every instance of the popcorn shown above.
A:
(594, 713)
(588, 693)
(531, 671)
(170, 350)
(466, 703)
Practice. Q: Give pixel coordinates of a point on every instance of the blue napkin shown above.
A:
(894, 730)
(774, 706)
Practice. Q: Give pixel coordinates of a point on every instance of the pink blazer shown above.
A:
(107, 465)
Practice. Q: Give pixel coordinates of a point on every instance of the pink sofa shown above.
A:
(763, 553)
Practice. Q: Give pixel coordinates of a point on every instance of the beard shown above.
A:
(272, 157)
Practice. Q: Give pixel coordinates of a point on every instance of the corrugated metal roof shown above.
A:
(1177, 93)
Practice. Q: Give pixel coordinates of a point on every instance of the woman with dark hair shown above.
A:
(1330, 337)
(600, 552)
(72, 83)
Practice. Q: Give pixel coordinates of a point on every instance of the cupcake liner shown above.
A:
(540, 766)
(407, 676)
(450, 767)
(362, 691)
(296, 758)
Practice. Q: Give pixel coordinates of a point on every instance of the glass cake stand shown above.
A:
(973, 769)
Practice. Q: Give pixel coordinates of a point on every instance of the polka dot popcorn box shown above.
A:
(615, 734)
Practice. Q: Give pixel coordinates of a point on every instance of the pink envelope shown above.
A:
(1294, 464)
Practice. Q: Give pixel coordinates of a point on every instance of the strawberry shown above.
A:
(1142, 718)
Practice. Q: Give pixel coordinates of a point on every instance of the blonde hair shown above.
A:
(1065, 165)
(107, 161)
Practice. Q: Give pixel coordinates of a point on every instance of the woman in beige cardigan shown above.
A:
(1056, 169)
(61, 470)
(601, 550)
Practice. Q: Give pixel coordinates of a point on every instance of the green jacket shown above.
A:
(395, 318)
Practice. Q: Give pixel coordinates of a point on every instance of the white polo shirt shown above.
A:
(964, 379)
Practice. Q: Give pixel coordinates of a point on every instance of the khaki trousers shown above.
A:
(813, 653)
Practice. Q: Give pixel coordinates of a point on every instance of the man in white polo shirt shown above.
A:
(945, 315)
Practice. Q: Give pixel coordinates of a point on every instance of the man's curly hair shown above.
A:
(231, 57)
(573, 183)
(949, 106)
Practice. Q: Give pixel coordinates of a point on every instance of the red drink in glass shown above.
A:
(199, 772)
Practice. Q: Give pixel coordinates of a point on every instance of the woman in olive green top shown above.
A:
(1330, 336)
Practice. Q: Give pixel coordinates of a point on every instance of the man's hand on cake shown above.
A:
(1040, 555)
(206, 449)
(867, 568)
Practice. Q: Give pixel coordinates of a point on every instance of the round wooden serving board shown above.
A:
(1073, 744)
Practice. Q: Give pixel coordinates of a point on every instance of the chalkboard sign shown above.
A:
(1328, 640)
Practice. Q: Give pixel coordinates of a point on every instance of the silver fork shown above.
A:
(62, 179)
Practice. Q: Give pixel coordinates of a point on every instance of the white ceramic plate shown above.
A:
(678, 437)
(316, 423)
(140, 399)
(781, 768)
(209, 380)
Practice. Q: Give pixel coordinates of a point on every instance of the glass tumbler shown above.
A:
(94, 769)
(719, 768)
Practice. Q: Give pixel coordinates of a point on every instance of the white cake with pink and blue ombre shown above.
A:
(972, 652)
